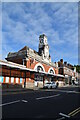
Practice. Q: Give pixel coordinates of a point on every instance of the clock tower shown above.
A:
(43, 47)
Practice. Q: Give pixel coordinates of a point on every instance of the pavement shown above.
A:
(57, 104)
(29, 89)
(21, 90)
(17, 90)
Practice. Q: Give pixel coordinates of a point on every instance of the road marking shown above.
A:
(24, 101)
(74, 112)
(48, 97)
(10, 103)
(70, 91)
(64, 91)
(61, 118)
(64, 115)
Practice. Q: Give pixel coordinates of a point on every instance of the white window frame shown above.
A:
(12, 79)
(17, 80)
(7, 80)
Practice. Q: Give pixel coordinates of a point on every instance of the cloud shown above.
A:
(22, 23)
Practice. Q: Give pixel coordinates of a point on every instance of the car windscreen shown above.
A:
(48, 83)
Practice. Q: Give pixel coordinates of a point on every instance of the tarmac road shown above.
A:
(47, 103)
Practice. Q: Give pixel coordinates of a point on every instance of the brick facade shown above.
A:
(24, 66)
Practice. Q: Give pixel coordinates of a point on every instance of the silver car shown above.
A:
(76, 82)
(50, 85)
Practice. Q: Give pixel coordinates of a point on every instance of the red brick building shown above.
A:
(68, 70)
(30, 68)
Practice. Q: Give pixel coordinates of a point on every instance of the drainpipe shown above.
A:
(25, 80)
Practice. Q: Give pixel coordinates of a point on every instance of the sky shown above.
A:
(22, 23)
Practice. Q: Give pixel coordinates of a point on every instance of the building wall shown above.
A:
(32, 63)
(14, 76)
(68, 71)
(11, 76)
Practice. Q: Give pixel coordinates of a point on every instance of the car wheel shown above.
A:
(51, 87)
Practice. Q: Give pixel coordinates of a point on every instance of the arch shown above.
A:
(39, 65)
(51, 69)
(39, 68)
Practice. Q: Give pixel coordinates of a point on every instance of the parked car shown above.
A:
(76, 82)
(50, 85)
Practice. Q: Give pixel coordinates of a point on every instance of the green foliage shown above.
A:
(77, 68)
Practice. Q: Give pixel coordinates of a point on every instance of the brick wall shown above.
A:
(32, 65)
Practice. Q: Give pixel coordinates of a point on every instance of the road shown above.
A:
(54, 103)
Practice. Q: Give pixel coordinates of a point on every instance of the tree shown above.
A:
(77, 68)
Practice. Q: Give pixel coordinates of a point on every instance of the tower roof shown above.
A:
(43, 35)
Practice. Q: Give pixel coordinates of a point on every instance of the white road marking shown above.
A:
(62, 118)
(47, 97)
(10, 103)
(64, 115)
(24, 101)
(67, 91)
(71, 91)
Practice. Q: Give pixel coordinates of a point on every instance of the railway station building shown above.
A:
(30, 68)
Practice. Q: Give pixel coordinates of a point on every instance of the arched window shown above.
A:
(51, 71)
(39, 68)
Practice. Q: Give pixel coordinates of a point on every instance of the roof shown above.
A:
(14, 65)
(42, 35)
(24, 48)
(22, 67)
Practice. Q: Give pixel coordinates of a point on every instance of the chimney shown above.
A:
(65, 63)
(58, 63)
(61, 60)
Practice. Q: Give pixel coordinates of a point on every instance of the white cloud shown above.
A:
(23, 23)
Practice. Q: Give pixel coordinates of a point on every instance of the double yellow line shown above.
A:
(74, 112)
